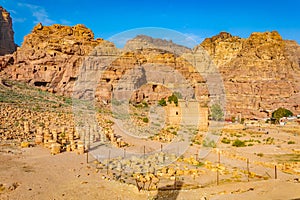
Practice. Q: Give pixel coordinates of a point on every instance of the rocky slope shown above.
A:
(260, 73)
(7, 44)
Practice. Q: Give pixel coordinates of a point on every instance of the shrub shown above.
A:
(225, 140)
(260, 154)
(291, 142)
(145, 104)
(16, 123)
(68, 100)
(216, 112)
(233, 119)
(269, 140)
(209, 143)
(238, 143)
(242, 120)
(174, 133)
(145, 119)
(63, 135)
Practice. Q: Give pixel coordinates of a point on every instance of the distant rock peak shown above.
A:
(144, 41)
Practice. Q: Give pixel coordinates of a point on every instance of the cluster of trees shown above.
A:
(280, 113)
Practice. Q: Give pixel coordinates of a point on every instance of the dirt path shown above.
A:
(35, 174)
(39, 175)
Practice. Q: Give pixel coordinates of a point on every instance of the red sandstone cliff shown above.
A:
(260, 73)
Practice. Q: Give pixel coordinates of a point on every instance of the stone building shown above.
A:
(187, 113)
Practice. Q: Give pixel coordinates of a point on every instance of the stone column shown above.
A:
(54, 135)
(26, 127)
(80, 147)
(203, 121)
(39, 137)
(47, 136)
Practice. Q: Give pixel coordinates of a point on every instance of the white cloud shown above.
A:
(65, 22)
(18, 20)
(39, 13)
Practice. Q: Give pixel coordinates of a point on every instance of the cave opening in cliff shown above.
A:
(40, 83)
(72, 79)
(154, 87)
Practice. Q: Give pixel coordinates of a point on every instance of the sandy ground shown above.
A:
(35, 174)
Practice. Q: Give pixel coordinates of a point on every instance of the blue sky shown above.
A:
(196, 19)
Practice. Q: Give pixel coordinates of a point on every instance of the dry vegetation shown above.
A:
(22, 107)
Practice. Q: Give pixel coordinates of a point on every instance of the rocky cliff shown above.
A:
(50, 57)
(260, 73)
(7, 44)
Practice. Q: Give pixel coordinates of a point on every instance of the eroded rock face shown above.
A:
(260, 73)
(156, 67)
(7, 44)
(50, 57)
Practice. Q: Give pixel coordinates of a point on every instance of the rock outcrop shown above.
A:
(7, 44)
(260, 73)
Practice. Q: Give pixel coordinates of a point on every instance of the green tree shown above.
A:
(281, 112)
(178, 95)
(162, 102)
(174, 99)
(216, 112)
